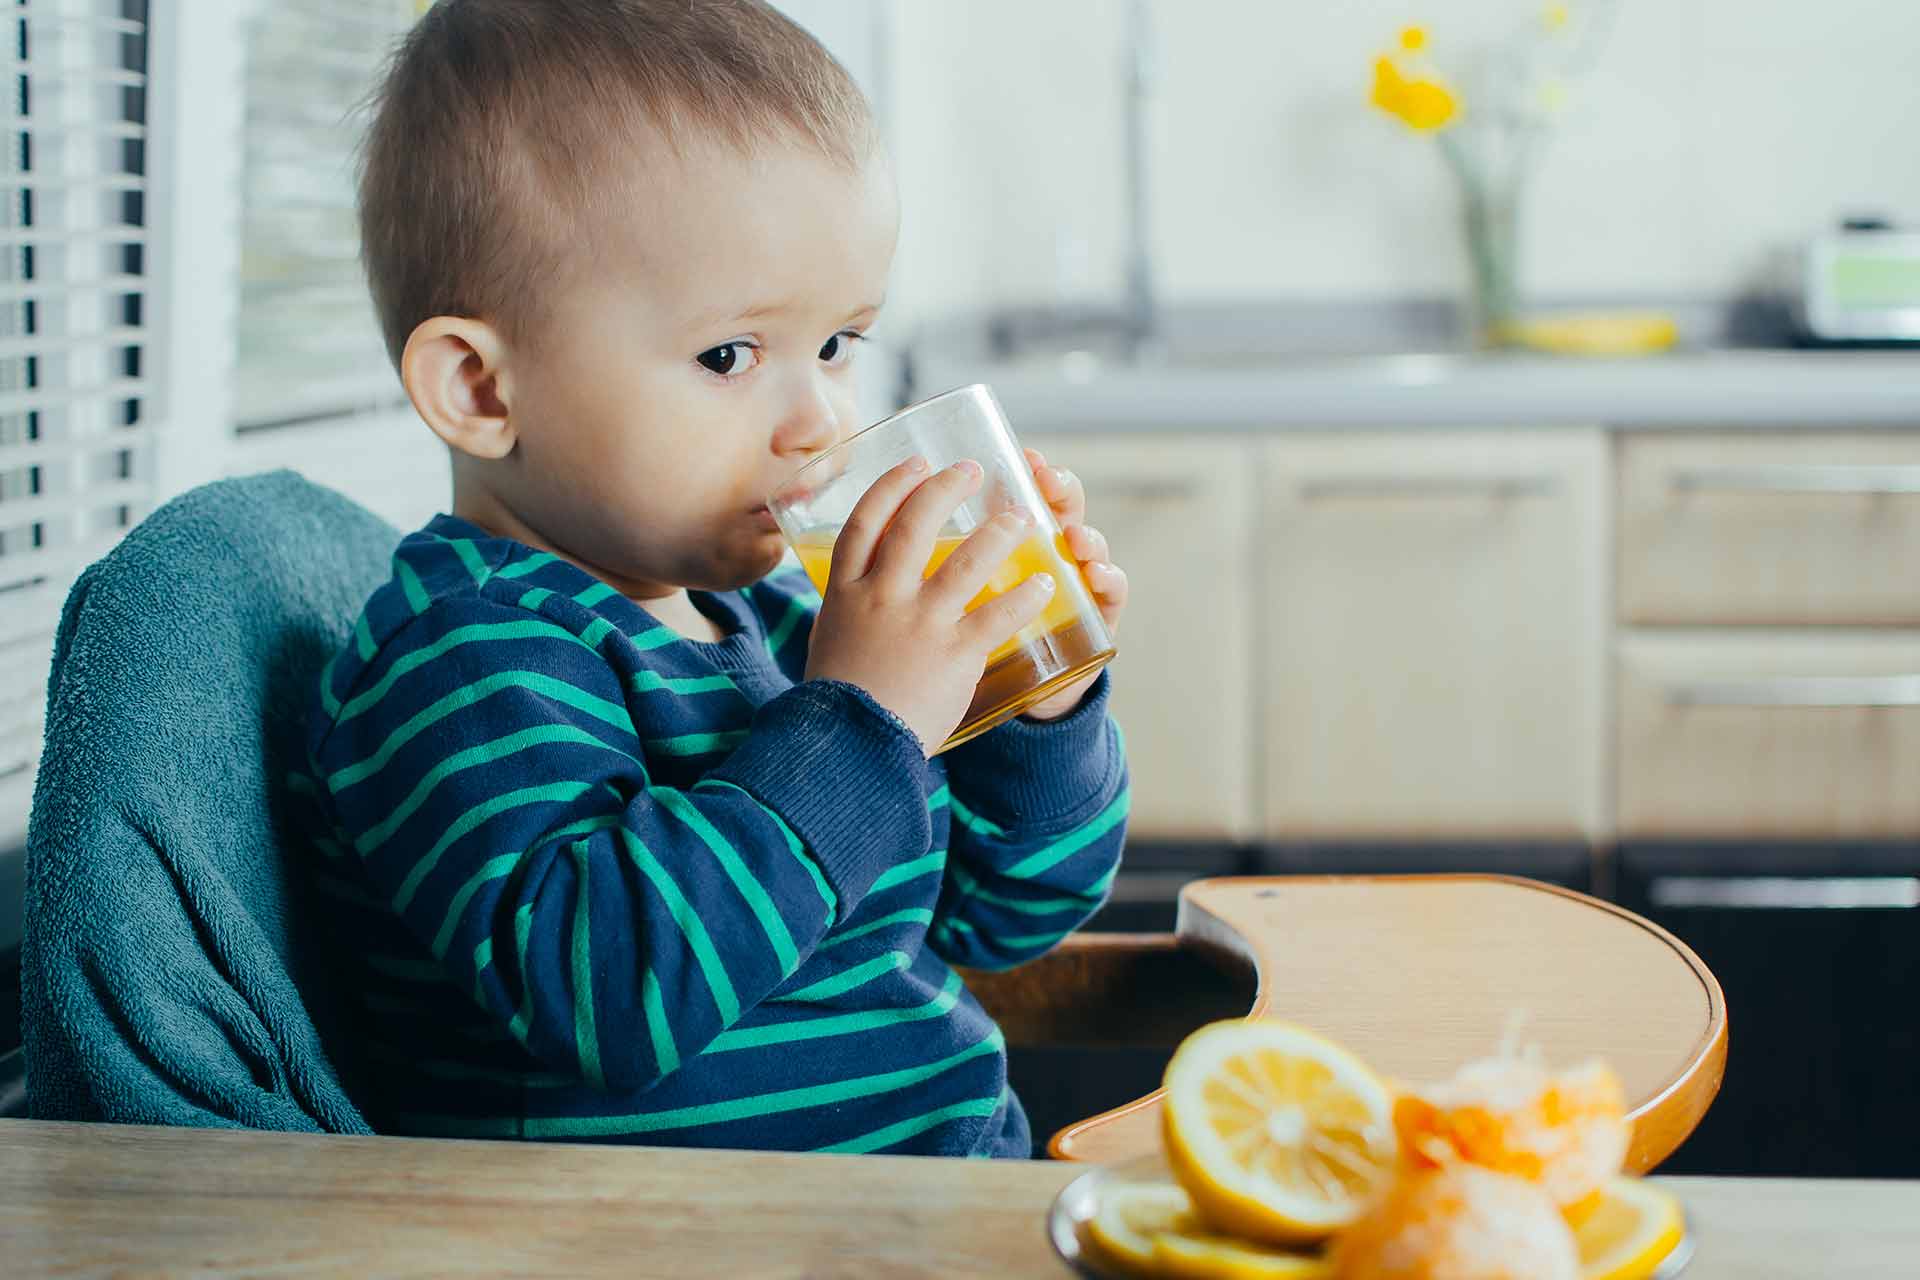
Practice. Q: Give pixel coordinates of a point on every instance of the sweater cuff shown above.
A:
(845, 774)
(1041, 774)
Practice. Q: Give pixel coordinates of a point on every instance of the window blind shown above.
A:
(309, 346)
(75, 449)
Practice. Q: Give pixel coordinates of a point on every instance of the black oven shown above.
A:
(1818, 950)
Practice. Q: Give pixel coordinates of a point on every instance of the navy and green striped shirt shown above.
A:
(593, 880)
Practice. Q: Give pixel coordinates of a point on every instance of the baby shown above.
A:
(633, 837)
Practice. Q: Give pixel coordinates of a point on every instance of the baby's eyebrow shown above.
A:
(721, 315)
(762, 310)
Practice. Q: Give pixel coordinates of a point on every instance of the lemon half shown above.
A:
(1278, 1134)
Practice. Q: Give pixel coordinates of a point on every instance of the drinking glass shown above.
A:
(1067, 641)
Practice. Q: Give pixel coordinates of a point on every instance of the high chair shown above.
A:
(166, 976)
(1416, 974)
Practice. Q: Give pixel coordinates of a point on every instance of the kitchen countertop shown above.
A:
(1239, 390)
(94, 1199)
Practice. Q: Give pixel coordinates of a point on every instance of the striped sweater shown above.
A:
(592, 880)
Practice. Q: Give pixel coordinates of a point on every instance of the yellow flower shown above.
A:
(1413, 39)
(1389, 86)
(1429, 105)
(1420, 104)
(1556, 16)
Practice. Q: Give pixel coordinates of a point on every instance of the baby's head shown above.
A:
(621, 251)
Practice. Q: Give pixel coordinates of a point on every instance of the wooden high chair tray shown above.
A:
(1421, 974)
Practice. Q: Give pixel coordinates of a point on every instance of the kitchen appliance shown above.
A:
(1860, 284)
(1817, 948)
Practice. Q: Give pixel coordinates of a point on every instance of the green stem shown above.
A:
(1490, 223)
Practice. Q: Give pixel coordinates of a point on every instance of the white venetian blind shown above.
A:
(75, 454)
(309, 347)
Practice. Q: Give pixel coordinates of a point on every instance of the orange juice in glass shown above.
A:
(1067, 641)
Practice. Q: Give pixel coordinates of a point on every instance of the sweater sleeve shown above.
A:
(497, 795)
(1039, 815)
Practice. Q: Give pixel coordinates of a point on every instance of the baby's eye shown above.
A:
(839, 348)
(729, 359)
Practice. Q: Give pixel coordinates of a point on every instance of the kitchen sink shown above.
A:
(1269, 366)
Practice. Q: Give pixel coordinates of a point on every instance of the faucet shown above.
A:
(1135, 321)
(1142, 74)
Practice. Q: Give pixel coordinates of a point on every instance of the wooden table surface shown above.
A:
(101, 1199)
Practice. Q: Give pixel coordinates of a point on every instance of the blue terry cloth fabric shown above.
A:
(166, 978)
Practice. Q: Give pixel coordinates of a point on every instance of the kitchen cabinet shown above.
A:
(1813, 529)
(1179, 516)
(1434, 612)
(1729, 724)
(1551, 638)
(1769, 735)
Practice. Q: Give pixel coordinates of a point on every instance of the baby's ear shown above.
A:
(454, 372)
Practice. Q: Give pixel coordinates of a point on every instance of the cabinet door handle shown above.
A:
(1866, 481)
(1533, 485)
(1799, 691)
(1144, 492)
(1772, 893)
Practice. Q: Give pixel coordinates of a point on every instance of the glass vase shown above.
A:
(1491, 198)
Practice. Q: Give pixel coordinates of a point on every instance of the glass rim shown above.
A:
(865, 431)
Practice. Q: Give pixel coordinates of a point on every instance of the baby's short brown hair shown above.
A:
(495, 136)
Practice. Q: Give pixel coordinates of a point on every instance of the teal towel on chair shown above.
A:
(167, 970)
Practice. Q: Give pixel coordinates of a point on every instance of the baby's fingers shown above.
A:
(1087, 544)
(1060, 488)
(1108, 582)
(995, 622)
(900, 558)
(975, 561)
(854, 547)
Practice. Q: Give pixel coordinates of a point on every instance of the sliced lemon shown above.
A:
(1630, 1232)
(1131, 1215)
(1278, 1134)
(1189, 1249)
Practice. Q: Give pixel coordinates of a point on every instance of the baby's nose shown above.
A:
(812, 424)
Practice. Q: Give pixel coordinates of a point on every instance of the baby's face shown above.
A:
(705, 354)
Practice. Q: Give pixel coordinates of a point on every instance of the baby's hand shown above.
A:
(901, 634)
(1088, 545)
